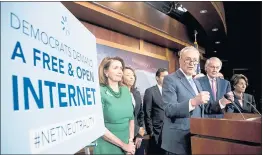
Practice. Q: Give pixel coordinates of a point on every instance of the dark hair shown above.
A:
(160, 70)
(135, 78)
(236, 77)
(104, 65)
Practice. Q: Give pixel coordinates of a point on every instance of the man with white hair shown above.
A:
(217, 87)
(183, 98)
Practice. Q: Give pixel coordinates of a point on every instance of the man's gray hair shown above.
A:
(213, 58)
(187, 48)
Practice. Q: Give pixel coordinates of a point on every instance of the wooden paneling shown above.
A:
(117, 40)
(120, 41)
(151, 17)
(237, 116)
(148, 47)
(229, 135)
(112, 36)
(210, 146)
(98, 15)
(129, 49)
(173, 60)
(250, 131)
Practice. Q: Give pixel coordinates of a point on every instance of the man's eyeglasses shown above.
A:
(188, 61)
(214, 67)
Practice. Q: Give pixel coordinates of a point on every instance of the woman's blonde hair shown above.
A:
(104, 65)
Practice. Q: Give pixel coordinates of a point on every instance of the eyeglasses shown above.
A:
(188, 61)
(215, 67)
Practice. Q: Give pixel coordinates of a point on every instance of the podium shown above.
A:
(229, 135)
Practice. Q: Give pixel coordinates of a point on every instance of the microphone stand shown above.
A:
(249, 104)
(253, 107)
(238, 109)
(233, 103)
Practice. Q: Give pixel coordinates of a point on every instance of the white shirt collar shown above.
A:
(187, 76)
(160, 88)
(133, 100)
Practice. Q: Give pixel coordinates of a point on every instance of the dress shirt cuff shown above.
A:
(222, 105)
(190, 106)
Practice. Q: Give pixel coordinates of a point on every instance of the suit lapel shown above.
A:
(157, 91)
(136, 95)
(198, 86)
(185, 82)
(158, 96)
(245, 100)
(238, 104)
(135, 105)
(218, 86)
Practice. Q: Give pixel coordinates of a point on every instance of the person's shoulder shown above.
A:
(102, 88)
(225, 81)
(249, 95)
(171, 76)
(135, 91)
(174, 76)
(124, 89)
(152, 87)
(202, 78)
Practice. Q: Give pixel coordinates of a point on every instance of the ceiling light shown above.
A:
(215, 29)
(181, 8)
(203, 11)
(215, 51)
(217, 42)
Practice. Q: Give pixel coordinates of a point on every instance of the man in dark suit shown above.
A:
(217, 88)
(154, 112)
(183, 98)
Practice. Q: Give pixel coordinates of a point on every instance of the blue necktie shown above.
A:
(192, 83)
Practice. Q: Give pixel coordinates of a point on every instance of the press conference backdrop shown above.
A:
(50, 101)
(145, 67)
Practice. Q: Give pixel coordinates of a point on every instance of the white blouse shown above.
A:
(133, 100)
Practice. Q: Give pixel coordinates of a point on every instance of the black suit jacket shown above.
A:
(138, 112)
(153, 108)
(246, 108)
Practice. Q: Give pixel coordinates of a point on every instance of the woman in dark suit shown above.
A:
(129, 79)
(242, 99)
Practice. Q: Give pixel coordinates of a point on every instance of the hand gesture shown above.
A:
(201, 98)
(229, 99)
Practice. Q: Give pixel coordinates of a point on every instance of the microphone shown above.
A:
(238, 97)
(228, 98)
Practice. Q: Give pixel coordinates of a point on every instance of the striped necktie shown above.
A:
(214, 88)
